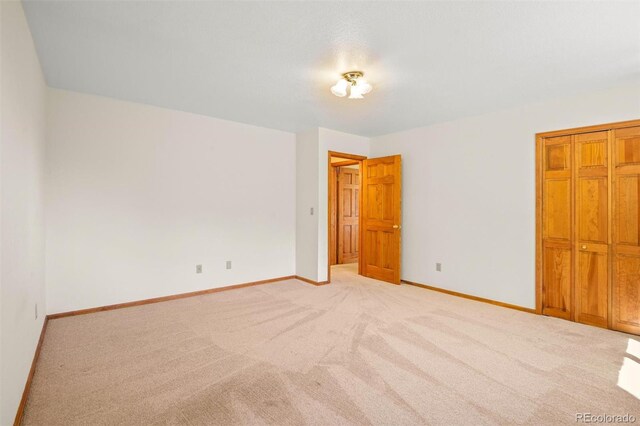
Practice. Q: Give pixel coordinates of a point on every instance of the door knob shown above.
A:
(396, 226)
(584, 247)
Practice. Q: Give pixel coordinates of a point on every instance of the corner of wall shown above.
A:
(307, 203)
(23, 134)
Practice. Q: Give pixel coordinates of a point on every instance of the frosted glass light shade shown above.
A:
(340, 88)
(364, 86)
(356, 92)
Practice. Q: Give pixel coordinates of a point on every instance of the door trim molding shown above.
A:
(345, 163)
(345, 155)
(539, 137)
(539, 185)
(589, 129)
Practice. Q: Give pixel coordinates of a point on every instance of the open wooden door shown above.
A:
(381, 217)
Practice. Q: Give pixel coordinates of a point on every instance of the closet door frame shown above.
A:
(539, 140)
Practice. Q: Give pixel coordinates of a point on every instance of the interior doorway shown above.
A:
(344, 244)
(365, 215)
(345, 204)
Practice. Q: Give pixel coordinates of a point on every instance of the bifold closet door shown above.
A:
(626, 230)
(557, 239)
(591, 228)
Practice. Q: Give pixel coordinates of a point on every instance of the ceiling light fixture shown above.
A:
(354, 80)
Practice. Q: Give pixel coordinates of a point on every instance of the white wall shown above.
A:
(331, 140)
(469, 192)
(312, 151)
(22, 137)
(138, 195)
(307, 199)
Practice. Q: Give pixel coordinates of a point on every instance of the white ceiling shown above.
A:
(271, 63)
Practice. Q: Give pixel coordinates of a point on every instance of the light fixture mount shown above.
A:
(352, 76)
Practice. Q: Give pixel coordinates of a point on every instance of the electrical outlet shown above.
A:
(36, 307)
(198, 269)
(439, 267)
(228, 264)
(311, 211)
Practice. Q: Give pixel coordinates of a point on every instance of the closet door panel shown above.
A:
(592, 210)
(626, 295)
(556, 291)
(628, 210)
(557, 200)
(557, 233)
(592, 227)
(592, 294)
(627, 147)
(626, 231)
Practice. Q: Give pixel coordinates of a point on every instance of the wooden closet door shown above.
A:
(348, 214)
(626, 230)
(592, 228)
(557, 238)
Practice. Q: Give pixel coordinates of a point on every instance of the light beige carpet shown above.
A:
(354, 352)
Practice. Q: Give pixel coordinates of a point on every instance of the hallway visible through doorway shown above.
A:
(345, 211)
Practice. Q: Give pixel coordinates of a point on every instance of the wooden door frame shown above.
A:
(354, 159)
(539, 137)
